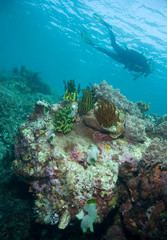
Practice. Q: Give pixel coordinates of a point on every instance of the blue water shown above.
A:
(44, 36)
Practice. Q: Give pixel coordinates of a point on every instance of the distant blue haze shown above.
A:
(44, 36)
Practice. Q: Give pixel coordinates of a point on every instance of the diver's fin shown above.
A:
(85, 37)
(100, 20)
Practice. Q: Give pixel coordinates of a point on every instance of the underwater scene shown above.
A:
(83, 120)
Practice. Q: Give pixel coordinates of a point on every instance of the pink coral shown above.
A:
(77, 155)
(126, 157)
(99, 137)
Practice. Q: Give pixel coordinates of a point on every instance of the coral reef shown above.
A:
(18, 95)
(93, 174)
(16, 103)
(64, 171)
(29, 81)
(149, 123)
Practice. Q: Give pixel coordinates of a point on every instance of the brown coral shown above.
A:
(106, 113)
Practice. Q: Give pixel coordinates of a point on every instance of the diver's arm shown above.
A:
(115, 46)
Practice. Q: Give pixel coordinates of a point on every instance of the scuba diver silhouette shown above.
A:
(132, 59)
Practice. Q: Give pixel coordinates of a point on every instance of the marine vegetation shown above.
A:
(71, 94)
(86, 102)
(106, 113)
(64, 120)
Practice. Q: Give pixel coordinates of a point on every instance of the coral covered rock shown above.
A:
(143, 199)
(84, 174)
(156, 153)
(64, 171)
(162, 128)
(135, 129)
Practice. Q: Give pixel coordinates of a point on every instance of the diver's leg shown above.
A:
(110, 54)
(116, 47)
(86, 38)
(112, 36)
(100, 20)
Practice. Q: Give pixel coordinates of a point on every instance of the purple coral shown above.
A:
(77, 155)
(100, 137)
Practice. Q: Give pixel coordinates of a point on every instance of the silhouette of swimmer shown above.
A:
(132, 59)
